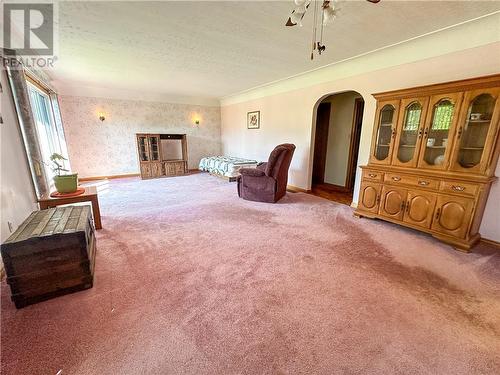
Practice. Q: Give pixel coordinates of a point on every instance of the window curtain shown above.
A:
(17, 81)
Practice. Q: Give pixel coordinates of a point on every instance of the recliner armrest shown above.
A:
(262, 166)
(254, 172)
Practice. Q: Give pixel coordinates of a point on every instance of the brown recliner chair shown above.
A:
(267, 182)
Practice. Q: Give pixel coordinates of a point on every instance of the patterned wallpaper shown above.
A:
(109, 148)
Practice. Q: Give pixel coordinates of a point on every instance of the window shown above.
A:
(413, 113)
(48, 135)
(443, 114)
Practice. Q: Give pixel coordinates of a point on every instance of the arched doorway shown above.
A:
(336, 145)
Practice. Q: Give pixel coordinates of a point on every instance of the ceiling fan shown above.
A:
(328, 14)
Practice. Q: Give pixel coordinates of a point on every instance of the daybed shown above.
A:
(225, 166)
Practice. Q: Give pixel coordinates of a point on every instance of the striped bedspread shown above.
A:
(225, 165)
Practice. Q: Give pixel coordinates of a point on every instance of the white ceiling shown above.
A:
(211, 49)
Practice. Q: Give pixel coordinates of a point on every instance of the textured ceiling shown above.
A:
(212, 49)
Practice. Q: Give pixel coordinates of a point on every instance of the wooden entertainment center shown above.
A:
(162, 155)
(433, 158)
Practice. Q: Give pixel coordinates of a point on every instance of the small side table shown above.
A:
(90, 195)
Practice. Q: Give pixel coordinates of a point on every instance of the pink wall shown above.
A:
(17, 195)
(105, 148)
(289, 116)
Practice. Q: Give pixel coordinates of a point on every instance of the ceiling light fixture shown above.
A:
(324, 14)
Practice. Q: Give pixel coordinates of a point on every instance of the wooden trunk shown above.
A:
(51, 254)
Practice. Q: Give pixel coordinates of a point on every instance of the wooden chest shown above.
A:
(51, 254)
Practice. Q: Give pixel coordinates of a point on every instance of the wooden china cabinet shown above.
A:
(433, 157)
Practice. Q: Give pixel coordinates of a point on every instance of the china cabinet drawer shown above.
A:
(421, 182)
(372, 175)
(459, 188)
(395, 178)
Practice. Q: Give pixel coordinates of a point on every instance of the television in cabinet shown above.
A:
(162, 155)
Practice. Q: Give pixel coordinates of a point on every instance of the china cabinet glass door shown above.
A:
(409, 131)
(385, 133)
(476, 132)
(439, 128)
(142, 144)
(154, 144)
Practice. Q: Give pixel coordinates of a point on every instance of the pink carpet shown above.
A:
(192, 280)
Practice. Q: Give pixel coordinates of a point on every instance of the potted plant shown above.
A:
(67, 183)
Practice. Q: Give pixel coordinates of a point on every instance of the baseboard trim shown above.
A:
(296, 189)
(491, 242)
(110, 177)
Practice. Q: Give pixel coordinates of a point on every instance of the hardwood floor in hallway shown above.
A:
(327, 192)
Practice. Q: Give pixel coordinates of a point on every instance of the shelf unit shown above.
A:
(152, 155)
(479, 121)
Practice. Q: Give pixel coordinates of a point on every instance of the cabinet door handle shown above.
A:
(403, 204)
(393, 132)
(457, 188)
(460, 129)
(426, 132)
(396, 178)
(408, 207)
(420, 133)
(372, 175)
(423, 183)
(438, 212)
(378, 199)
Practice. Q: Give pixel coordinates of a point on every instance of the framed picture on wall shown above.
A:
(253, 120)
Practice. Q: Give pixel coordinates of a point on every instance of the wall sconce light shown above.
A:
(101, 116)
(196, 119)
